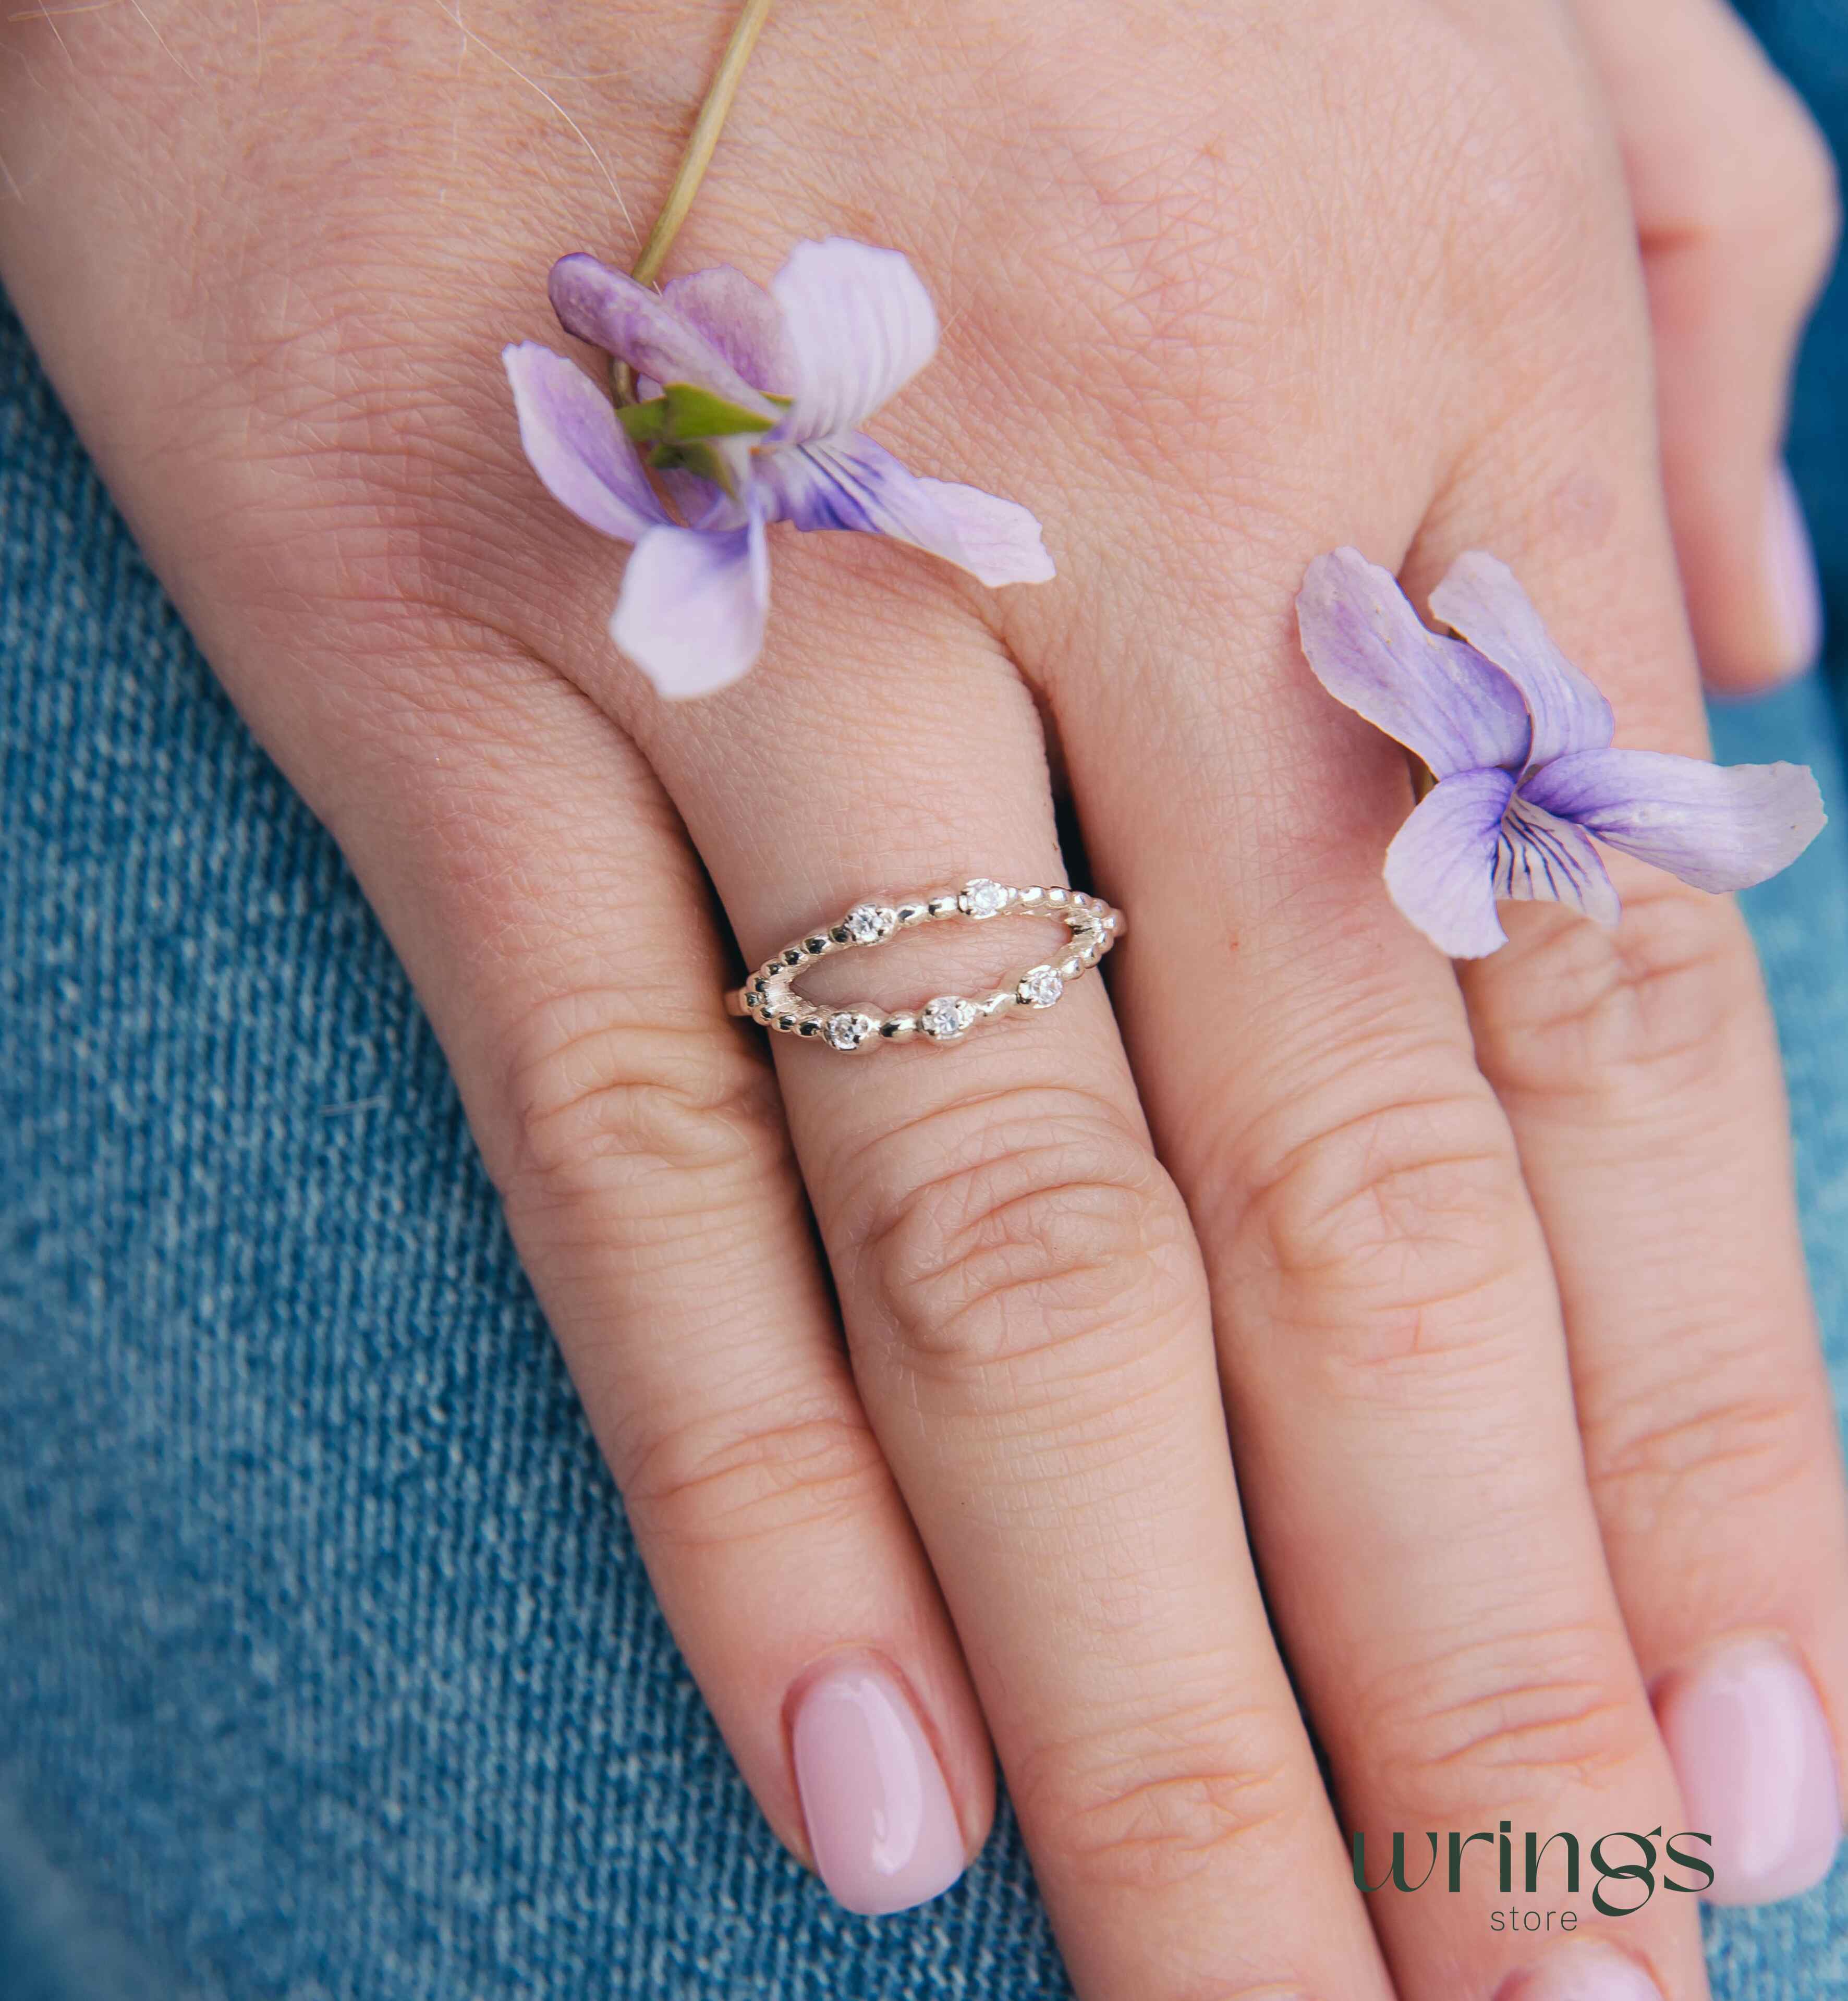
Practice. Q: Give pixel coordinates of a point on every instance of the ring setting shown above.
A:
(769, 996)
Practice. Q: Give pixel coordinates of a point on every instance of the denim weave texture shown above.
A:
(328, 1671)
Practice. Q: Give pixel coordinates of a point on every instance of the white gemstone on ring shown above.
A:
(946, 1018)
(983, 899)
(867, 923)
(848, 1031)
(1041, 987)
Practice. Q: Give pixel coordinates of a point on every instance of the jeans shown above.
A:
(327, 1668)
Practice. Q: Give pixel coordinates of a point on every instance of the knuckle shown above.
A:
(1659, 999)
(1145, 212)
(1162, 220)
(1802, 239)
(1544, 177)
(1787, 204)
(1524, 163)
(1766, 187)
(1388, 1230)
(1041, 1219)
(1148, 1813)
(391, 476)
(1152, 1832)
(1552, 1705)
(1738, 1445)
(734, 1476)
(668, 1114)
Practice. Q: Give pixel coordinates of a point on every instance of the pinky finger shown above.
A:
(1736, 209)
(559, 930)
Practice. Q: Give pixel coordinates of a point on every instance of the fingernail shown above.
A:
(1790, 573)
(878, 1813)
(1757, 1770)
(1585, 1972)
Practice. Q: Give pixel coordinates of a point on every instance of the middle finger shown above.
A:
(1025, 1309)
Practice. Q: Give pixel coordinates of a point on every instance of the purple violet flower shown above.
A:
(752, 404)
(1519, 743)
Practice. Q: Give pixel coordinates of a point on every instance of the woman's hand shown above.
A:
(1497, 1289)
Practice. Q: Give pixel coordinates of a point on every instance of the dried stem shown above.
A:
(700, 144)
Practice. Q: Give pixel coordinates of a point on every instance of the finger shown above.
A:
(1402, 1413)
(1024, 1301)
(546, 902)
(1734, 191)
(1640, 1072)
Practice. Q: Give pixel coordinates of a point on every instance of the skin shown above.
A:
(1491, 1286)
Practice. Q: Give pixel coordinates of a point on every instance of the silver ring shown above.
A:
(769, 996)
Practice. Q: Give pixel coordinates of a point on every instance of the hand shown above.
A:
(1497, 1288)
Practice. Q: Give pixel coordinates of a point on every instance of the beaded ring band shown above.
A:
(769, 997)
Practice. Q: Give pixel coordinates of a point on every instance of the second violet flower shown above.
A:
(1520, 744)
(752, 404)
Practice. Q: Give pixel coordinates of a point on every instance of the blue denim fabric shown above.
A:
(328, 1669)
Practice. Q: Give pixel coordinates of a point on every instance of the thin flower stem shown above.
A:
(700, 144)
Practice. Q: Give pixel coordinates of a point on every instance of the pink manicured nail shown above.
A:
(880, 1816)
(1757, 1770)
(1791, 572)
(1581, 1973)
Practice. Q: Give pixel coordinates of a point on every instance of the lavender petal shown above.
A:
(741, 319)
(848, 482)
(639, 326)
(1541, 859)
(1440, 867)
(860, 324)
(692, 609)
(571, 436)
(1002, 541)
(1437, 697)
(1481, 599)
(1719, 827)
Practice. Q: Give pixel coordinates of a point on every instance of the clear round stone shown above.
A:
(949, 1015)
(983, 899)
(848, 1032)
(866, 923)
(1041, 987)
